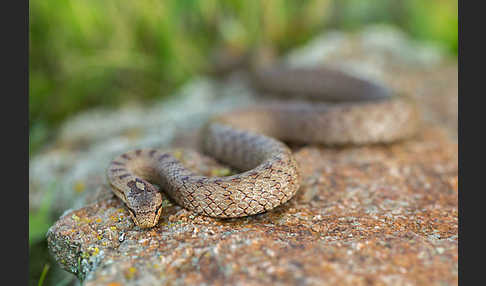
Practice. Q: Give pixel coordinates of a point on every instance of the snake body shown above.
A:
(247, 139)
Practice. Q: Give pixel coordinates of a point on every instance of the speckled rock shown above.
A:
(376, 215)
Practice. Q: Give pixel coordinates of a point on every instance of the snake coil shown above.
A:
(339, 109)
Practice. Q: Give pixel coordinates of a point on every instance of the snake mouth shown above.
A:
(157, 213)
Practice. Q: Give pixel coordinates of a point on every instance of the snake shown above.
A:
(324, 106)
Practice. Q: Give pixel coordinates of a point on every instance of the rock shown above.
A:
(371, 218)
(364, 215)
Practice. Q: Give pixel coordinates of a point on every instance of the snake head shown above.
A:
(144, 202)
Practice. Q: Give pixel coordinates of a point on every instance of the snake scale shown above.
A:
(339, 109)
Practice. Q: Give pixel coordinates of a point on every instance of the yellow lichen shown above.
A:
(79, 187)
(220, 172)
(130, 273)
(177, 154)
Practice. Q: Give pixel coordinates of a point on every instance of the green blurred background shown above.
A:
(91, 53)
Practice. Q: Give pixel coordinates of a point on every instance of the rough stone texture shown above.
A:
(375, 215)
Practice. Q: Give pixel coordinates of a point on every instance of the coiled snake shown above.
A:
(361, 112)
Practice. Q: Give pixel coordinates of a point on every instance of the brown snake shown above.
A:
(361, 112)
